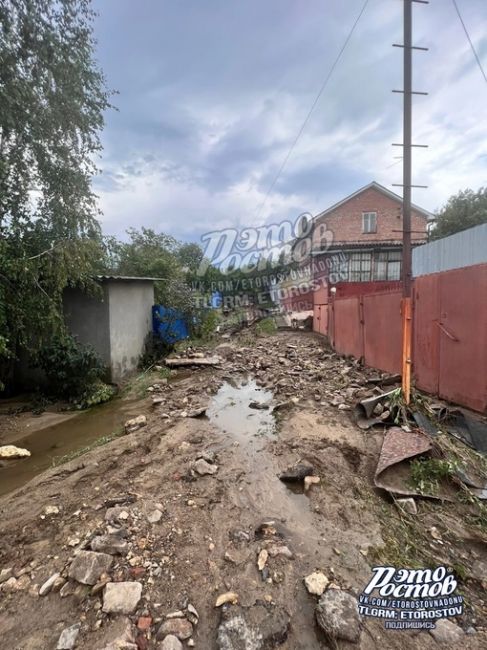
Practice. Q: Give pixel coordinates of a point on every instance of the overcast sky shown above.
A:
(212, 94)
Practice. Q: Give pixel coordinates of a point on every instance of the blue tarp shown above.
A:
(168, 324)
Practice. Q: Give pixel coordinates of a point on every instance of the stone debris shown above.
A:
(68, 638)
(192, 614)
(121, 597)
(12, 452)
(408, 505)
(297, 473)
(171, 642)
(113, 544)
(48, 585)
(135, 423)
(228, 597)
(5, 574)
(253, 628)
(51, 510)
(281, 551)
(259, 406)
(262, 559)
(447, 632)
(337, 615)
(203, 467)
(178, 627)
(310, 480)
(155, 516)
(316, 583)
(88, 566)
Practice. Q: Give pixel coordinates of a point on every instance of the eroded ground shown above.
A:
(188, 538)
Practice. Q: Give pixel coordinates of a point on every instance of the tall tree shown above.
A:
(52, 99)
(463, 210)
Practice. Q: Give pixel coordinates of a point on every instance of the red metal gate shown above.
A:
(450, 335)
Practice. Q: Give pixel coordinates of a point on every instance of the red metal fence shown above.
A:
(449, 329)
(450, 335)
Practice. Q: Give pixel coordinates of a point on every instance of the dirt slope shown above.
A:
(188, 537)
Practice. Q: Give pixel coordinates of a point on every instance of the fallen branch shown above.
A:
(209, 361)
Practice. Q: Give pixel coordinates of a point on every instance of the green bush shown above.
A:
(96, 393)
(208, 324)
(70, 368)
(266, 326)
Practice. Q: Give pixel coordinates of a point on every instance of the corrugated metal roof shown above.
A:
(127, 278)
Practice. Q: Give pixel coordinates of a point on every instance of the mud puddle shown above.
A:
(49, 444)
(249, 432)
(243, 412)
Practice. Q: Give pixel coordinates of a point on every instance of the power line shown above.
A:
(470, 41)
(313, 106)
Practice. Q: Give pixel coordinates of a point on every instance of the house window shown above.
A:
(369, 222)
(388, 265)
(360, 267)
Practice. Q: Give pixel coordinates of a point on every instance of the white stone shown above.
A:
(48, 585)
(121, 597)
(67, 640)
(11, 451)
(316, 583)
(171, 642)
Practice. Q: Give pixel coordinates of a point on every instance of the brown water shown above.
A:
(258, 490)
(49, 444)
(252, 429)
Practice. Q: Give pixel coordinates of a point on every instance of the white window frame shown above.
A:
(369, 219)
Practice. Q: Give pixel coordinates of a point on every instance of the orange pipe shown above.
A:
(406, 308)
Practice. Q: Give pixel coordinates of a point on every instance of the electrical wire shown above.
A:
(470, 41)
(313, 106)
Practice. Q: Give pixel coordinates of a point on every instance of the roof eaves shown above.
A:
(380, 188)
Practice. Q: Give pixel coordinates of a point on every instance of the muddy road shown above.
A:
(132, 544)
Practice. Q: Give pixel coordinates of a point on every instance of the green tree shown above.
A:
(52, 99)
(157, 255)
(463, 210)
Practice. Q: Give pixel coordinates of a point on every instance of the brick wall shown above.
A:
(345, 222)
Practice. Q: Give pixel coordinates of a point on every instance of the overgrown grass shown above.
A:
(76, 453)
(266, 326)
(428, 473)
(137, 386)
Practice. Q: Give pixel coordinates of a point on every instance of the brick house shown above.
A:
(366, 229)
(357, 240)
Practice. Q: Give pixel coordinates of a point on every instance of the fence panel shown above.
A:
(383, 331)
(463, 336)
(426, 352)
(347, 328)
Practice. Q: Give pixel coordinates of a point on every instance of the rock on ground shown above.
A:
(171, 642)
(121, 597)
(113, 544)
(337, 615)
(296, 473)
(135, 423)
(88, 566)
(67, 640)
(316, 583)
(179, 627)
(447, 632)
(202, 467)
(11, 451)
(48, 585)
(253, 628)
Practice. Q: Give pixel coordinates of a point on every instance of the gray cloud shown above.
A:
(213, 93)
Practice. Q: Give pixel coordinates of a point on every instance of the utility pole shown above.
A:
(406, 304)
